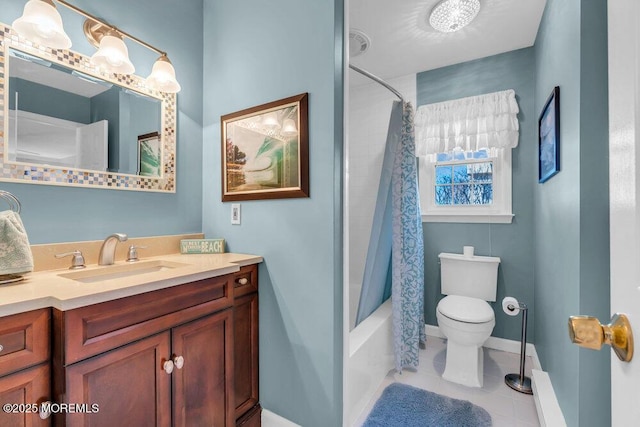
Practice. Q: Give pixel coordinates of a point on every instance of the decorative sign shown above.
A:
(202, 246)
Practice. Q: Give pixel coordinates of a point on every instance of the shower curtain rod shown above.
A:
(377, 79)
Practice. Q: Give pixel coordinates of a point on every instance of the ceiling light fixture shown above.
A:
(41, 23)
(452, 15)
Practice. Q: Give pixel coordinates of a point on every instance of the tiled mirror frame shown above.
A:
(41, 174)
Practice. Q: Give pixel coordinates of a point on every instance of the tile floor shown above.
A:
(507, 407)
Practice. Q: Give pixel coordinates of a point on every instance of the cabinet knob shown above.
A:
(45, 410)
(178, 361)
(168, 366)
(242, 281)
(1, 348)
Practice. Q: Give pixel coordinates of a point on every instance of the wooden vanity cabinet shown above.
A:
(25, 373)
(163, 358)
(245, 320)
(132, 385)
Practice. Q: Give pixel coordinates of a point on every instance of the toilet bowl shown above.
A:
(466, 322)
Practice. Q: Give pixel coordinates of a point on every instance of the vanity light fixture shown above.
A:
(163, 76)
(113, 55)
(452, 15)
(42, 24)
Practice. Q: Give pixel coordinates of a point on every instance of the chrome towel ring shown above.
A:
(11, 200)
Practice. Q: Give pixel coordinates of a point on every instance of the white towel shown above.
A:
(15, 252)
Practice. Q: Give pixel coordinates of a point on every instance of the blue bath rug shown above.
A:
(406, 406)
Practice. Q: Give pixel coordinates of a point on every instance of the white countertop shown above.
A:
(48, 289)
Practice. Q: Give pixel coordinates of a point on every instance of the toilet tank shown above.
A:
(471, 276)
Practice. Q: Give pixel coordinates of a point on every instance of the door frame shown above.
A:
(624, 197)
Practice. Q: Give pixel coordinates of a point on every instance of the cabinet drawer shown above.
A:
(100, 327)
(25, 340)
(245, 281)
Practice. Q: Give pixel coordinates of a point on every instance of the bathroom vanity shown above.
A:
(179, 349)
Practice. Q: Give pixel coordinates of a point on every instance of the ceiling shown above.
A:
(403, 42)
(42, 72)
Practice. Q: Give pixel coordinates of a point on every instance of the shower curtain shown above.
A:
(395, 257)
(376, 281)
(407, 259)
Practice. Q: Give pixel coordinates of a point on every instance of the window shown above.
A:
(466, 187)
(464, 151)
(462, 181)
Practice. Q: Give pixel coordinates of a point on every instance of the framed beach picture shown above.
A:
(265, 151)
(549, 137)
(149, 155)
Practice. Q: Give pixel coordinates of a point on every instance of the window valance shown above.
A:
(470, 124)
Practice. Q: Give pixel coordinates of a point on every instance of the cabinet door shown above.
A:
(245, 324)
(202, 393)
(128, 384)
(25, 388)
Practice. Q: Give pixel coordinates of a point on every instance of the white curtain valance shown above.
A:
(484, 121)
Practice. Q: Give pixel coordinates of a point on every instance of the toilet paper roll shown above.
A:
(467, 251)
(508, 302)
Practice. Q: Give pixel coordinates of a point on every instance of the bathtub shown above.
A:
(370, 360)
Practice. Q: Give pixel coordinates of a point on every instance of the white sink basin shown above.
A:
(121, 270)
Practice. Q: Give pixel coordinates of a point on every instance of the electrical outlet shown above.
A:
(235, 213)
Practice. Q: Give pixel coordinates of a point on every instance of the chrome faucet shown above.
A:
(108, 249)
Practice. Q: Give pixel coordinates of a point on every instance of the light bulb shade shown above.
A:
(452, 15)
(163, 76)
(270, 121)
(113, 56)
(289, 128)
(41, 23)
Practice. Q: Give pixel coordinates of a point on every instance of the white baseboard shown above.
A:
(549, 412)
(270, 419)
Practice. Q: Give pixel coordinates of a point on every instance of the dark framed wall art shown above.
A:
(549, 137)
(265, 151)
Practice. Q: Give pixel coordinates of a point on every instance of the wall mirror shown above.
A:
(65, 122)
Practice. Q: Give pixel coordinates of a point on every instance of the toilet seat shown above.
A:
(465, 309)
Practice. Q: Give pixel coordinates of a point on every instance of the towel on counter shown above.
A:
(15, 252)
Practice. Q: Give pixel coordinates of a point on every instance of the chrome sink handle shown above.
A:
(133, 253)
(77, 261)
(108, 249)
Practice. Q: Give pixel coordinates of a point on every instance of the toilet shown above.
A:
(464, 316)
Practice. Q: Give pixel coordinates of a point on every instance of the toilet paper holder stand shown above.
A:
(520, 382)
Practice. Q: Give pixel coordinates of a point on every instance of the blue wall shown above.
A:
(511, 242)
(256, 52)
(45, 100)
(58, 214)
(106, 106)
(571, 209)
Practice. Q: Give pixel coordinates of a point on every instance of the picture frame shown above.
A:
(549, 137)
(150, 155)
(265, 151)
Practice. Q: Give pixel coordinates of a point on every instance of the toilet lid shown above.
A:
(466, 309)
